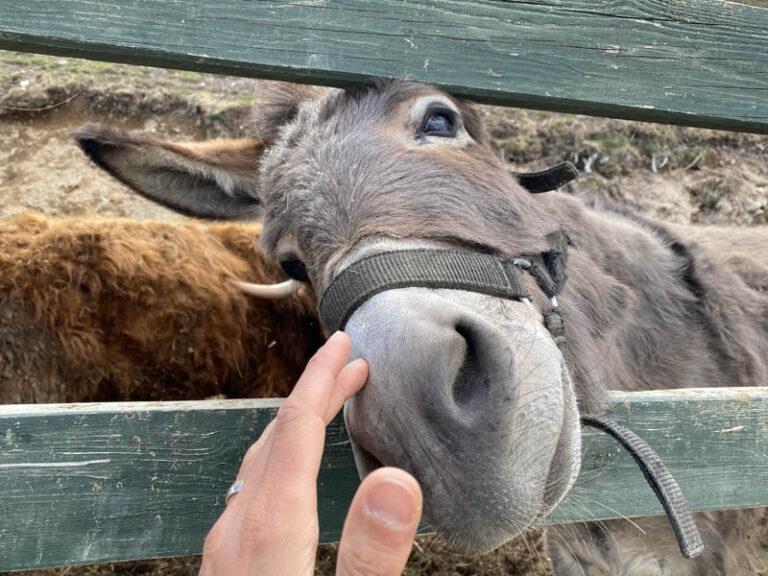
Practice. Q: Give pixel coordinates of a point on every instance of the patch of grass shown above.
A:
(609, 144)
(520, 150)
(592, 183)
(24, 59)
(36, 83)
(246, 98)
(709, 193)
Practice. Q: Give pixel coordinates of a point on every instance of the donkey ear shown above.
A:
(214, 180)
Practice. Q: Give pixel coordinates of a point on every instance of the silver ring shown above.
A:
(234, 489)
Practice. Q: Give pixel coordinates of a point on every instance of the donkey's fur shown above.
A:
(347, 172)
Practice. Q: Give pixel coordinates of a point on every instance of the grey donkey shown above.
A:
(469, 392)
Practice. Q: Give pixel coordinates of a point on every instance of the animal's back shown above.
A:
(741, 250)
(121, 310)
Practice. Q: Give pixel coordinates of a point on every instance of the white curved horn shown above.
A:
(269, 291)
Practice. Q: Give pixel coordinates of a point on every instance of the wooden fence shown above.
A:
(695, 62)
(82, 483)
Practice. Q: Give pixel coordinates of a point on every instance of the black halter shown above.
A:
(437, 268)
(504, 278)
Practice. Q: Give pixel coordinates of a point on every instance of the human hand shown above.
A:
(271, 528)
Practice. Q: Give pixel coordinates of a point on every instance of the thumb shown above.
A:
(380, 526)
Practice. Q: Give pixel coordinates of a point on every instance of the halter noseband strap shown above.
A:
(504, 278)
(440, 268)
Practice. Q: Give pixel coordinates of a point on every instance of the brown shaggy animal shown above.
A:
(96, 310)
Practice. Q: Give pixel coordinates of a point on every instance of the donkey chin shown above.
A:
(470, 394)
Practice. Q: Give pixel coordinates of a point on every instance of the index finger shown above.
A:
(314, 390)
(287, 456)
(299, 432)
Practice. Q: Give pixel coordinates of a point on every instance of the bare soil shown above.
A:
(672, 173)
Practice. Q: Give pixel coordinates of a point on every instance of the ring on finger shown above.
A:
(234, 489)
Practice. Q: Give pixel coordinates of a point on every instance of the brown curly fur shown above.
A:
(111, 309)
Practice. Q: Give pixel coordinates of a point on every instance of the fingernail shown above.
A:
(335, 336)
(391, 503)
(361, 362)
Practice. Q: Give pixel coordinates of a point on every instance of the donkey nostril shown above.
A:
(471, 379)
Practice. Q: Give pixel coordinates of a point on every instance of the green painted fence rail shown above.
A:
(694, 62)
(87, 483)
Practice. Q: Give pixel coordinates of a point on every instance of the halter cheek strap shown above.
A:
(504, 278)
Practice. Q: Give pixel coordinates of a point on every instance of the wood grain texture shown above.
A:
(694, 62)
(107, 482)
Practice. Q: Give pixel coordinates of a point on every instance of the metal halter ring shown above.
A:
(234, 489)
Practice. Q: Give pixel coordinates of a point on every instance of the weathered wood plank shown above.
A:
(106, 482)
(695, 62)
(714, 441)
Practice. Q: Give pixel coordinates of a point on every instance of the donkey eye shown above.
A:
(439, 121)
(438, 124)
(295, 269)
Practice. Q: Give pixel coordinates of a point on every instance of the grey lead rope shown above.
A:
(501, 277)
(660, 480)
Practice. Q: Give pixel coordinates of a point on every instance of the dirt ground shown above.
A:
(672, 173)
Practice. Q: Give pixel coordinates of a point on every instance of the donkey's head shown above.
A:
(468, 392)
